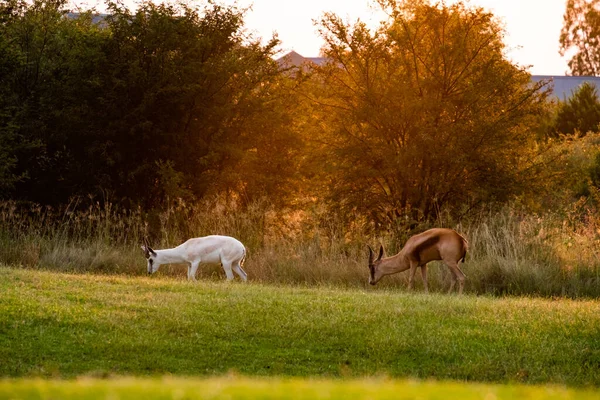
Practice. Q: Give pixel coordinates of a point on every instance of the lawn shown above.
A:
(64, 326)
(234, 387)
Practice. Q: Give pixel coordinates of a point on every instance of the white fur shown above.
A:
(215, 249)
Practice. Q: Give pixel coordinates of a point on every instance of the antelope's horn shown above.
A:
(381, 252)
(371, 253)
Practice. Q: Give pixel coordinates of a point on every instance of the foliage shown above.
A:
(196, 97)
(580, 35)
(165, 101)
(46, 62)
(63, 326)
(571, 169)
(9, 139)
(238, 387)
(580, 113)
(425, 114)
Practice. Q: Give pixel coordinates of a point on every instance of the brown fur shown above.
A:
(442, 244)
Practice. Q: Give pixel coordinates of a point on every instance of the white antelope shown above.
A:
(215, 249)
(434, 244)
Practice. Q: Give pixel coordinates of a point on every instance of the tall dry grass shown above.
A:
(510, 252)
(547, 255)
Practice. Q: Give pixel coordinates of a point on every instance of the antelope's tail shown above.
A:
(465, 246)
(243, 258)
(464, 256)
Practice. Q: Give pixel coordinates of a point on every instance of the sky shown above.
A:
(532, 26)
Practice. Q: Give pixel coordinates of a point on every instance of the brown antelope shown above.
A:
(434, 244)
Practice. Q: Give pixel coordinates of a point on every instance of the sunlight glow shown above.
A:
(532, 26)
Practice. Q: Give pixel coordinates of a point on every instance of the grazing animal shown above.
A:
(434, 244)
(215, 249)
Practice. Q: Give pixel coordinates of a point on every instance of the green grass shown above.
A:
(66, 326)
(233, 387)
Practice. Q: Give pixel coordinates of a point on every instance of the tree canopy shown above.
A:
(580, 113)
(580, 36)
(425, 113)
(169, 101)
(164, 101)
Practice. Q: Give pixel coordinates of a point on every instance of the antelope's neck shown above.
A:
(399, 262)
(169, 256)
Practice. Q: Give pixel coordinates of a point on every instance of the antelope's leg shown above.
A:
(238, 270)
(424, 276)
(456, 274)
(228, 272)
(452, 279)
(192, 270)
(411, 274)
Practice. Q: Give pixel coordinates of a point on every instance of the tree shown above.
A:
(47, 75)
(580, 112)
(580, 34)
(424, 114)
(162, 102)
(9, 62)
(191, 104)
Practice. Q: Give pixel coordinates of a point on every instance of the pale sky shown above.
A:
(532, 26)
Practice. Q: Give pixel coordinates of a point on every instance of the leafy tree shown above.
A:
(191, 100)
(161, 102)
(579, 113)
(9, 62)
(424, 114)
(580, 35)
(572, 167)
(47, 73)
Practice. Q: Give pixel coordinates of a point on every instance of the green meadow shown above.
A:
(62, 333)
(235, 387)
(124, 125)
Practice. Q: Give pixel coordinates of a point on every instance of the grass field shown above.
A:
(66, 326)
(233, 387)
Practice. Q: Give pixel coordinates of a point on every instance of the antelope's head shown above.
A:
(151, 257)
(375, 272)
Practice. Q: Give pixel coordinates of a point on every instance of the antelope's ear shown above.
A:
(381, 253)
